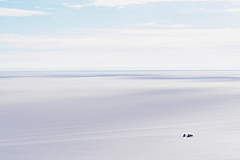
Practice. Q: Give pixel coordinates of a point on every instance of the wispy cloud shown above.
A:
(72, 6)
(233, 10)
(125, 38)
(124, 48)
(122, 3)
(158, 24)
(7, 12)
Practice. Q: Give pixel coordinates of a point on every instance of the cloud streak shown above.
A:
(154, 48)
(72, 6)
(147, 38)
(11, 12)
(123, 3)
(232, 10)
(157, 24)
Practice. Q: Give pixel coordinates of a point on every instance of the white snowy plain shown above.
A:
(120, 115)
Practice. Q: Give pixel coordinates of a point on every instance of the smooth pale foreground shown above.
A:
(119, 115)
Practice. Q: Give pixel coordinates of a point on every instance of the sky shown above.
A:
(119, 35)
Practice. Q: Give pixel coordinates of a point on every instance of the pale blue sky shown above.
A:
(119, 34)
